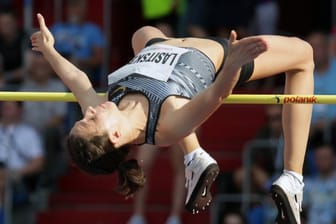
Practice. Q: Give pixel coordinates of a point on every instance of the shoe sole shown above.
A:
(285, 213)
(201, 196)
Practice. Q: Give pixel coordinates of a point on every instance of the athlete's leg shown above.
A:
(294, 57)
(178, 191)
(201, 171)
(143, 35)
(145, 155)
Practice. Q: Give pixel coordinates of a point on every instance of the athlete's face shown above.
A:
(98, 120)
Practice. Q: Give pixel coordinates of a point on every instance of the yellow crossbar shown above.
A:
(232, 99)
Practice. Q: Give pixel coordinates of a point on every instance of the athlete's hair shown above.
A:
(96, 155)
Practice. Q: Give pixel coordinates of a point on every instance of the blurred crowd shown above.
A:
(32, 153)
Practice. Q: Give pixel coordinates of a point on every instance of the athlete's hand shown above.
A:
(244, 50)
(240, 52)
(42, 40)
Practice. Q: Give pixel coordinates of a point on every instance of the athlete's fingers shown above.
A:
(41, 21)
(257, 45)
(254, 43)
(257, 48)
(42, 24)
(262, 45)
(233, 36)
(35, 35)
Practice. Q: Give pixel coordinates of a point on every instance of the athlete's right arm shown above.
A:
(75, 79)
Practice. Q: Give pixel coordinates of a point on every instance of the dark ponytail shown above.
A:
(96, 155)
(131, 177)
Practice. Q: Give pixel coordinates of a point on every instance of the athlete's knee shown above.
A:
(142, 31)
(305, 53)
(143, 35)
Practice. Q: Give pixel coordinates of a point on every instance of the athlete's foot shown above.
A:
(173, 220)
(200, 172)
(288, 202)
(137, 219)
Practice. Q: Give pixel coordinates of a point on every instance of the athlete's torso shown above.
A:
(193, 72)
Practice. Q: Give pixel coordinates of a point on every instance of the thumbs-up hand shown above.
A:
(43, 39)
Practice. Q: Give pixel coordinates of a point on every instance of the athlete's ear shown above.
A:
(114, 136)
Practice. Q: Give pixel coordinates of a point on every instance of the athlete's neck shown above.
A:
(134, 122)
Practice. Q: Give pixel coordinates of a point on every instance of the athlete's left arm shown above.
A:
(189, 117)
(186, 119)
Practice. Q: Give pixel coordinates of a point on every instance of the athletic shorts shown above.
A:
(246, 70)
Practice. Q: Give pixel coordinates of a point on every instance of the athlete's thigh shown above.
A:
(283, 54)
